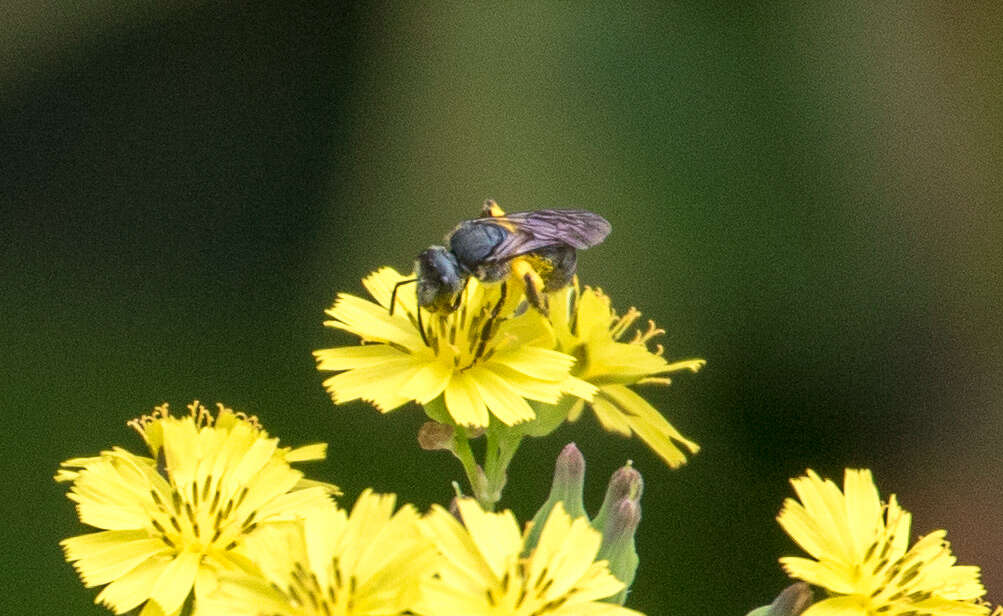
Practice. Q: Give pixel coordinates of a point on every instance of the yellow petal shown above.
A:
(827, 573)
(576, 410)
(464, 403)
(527, 386)
(175, 582)
(458, 548)
(610, 417)
(428, 382)
(132, 588)
(496, 535)
(623, 362)
(542, 364)
(643, 415)
(306, 453)
(365, 356)
(503, 402)
(802, 528)
(102, 564)
(379, 384)
(838, 606)
(579, 388)
(372, 322)
(380, 285)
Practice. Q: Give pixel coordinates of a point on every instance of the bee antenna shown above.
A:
(393, 296)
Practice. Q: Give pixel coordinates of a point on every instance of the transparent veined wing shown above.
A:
(529, 231)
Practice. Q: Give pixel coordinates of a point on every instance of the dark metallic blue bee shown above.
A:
(538, 247)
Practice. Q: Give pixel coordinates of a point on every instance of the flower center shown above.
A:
(199, 517)
(305, 591)
(469, 335)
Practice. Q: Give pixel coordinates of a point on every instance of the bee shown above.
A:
(536, 247)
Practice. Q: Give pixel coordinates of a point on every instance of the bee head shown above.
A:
(440, 279)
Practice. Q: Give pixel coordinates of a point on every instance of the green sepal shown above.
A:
(549, 417)
(436, 411)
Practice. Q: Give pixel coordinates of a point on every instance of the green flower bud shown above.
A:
(626, 483)
(617, 521)
(567, 487)
(793, 600)
(618, 544)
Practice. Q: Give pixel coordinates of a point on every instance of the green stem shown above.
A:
(506, 451)
(465, 455)
(501, 446)
(491, 455)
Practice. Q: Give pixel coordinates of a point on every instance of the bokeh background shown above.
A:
(807, 197)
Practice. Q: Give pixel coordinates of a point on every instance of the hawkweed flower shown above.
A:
(173, 521)
(586, 326)
(862, 556)
(486, 570)
(332, 564)
(486, 358)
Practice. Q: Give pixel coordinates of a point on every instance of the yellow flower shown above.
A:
(587, 327)
(486, 358)
(483, 571)
(332, 564)
(862, 554)
(174, 520)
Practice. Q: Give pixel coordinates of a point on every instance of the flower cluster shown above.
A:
(495, 359)
(216, 518)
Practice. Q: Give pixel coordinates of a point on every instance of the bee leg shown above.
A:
(489, 323)
(533, 284)
(459, 296)
(421, 328)
(393, 296)
(535, 295)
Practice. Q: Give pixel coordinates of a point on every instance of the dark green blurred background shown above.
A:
(809, 199)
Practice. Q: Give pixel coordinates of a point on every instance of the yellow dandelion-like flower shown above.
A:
(332, 564)
(586, 326)
(173, 521)
(484, 572)
(862, 554)
(486, 358)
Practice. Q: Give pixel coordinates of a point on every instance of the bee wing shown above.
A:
(529, 231)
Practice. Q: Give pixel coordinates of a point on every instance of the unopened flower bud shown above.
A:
(567, 487)
(617, 520)
(435, 436)
(626, 483)
(793, 600)
(618, 544)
